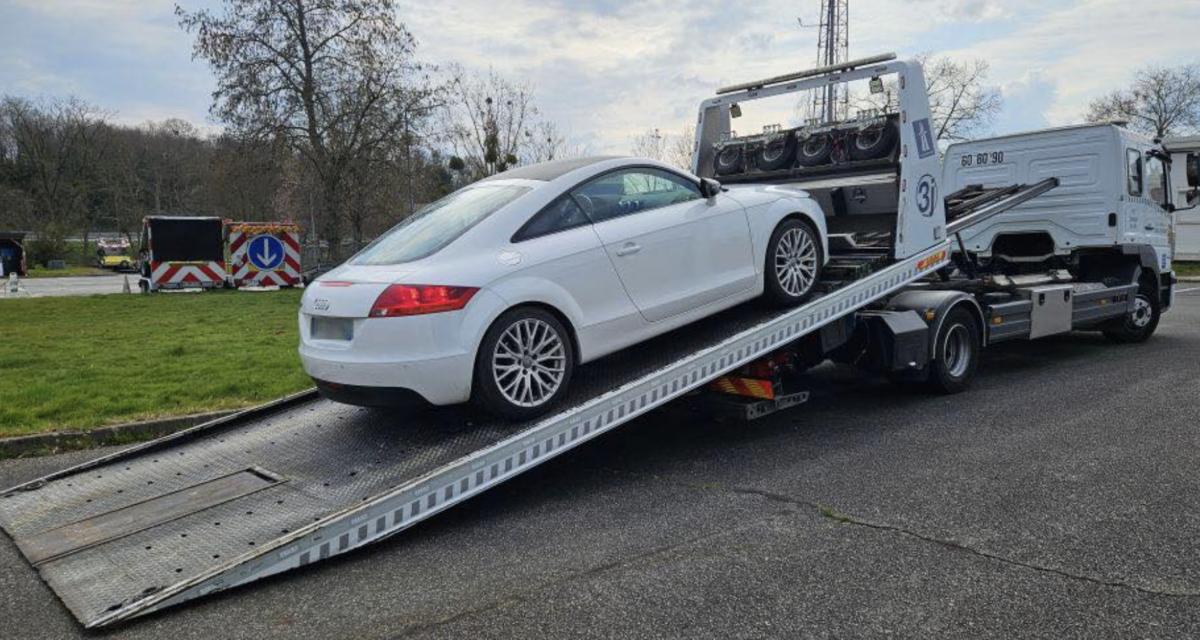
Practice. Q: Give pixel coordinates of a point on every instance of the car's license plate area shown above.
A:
(332, 328)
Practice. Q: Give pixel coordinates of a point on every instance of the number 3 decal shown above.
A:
(926, 195)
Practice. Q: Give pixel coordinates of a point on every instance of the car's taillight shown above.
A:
(417, 299)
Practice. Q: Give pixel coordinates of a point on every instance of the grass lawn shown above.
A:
(70, 271)
(80, 362)
(1186, 269)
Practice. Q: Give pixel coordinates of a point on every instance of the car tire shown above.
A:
(793, 263)
(511, 379)
(956, 350)
(777, 153)
(1137, 325)
(873, 143)
(815, 150)
(729, 159)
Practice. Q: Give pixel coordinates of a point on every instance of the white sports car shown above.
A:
(496, 292)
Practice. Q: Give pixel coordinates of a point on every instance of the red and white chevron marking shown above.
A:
(185, 273)
(246, 274)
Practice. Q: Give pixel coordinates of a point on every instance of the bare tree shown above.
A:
(544, 142)
(334, 78)
(488, 121)
(55, 150)
(651, 144)
(673, 149)
(961, 102)
(1161, 102)
(680, 147)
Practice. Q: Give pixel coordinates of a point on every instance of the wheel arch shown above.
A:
(941, 304)
(558, 314)
(804, 209)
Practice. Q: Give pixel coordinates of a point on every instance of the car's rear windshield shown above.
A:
(433, 227)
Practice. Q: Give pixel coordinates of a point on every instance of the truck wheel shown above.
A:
(815, 150)
(955, 353)
(730, 159)
(524, 364)
(873, 142)
(1137, 325)
(778, 153)
(793, 263)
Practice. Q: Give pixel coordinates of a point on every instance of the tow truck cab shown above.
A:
(1110, 215)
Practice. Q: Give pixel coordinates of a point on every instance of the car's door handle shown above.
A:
(1149, 227)
(629, 249)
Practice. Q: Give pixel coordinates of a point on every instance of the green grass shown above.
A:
(1186, 269)
(82, 362)
(70, 271)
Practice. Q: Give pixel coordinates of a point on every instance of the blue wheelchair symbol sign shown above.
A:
(265, 252)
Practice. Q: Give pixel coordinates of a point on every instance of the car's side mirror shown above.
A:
(709, 188)
(1193, 169)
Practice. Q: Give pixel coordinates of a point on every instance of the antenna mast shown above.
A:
(833, 47)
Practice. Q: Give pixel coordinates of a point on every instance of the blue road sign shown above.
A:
(265, 252)
(924, 135)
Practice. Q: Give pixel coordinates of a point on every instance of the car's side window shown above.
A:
(561, 214)
(633, 190)
(1134, 159)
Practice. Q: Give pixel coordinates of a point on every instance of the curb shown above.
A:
(43, 444)
(1188, 279)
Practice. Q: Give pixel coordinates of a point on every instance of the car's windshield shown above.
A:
(429, 230)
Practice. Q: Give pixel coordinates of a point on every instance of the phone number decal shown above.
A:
(983, 159)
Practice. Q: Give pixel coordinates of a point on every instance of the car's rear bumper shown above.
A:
(371, 396)
(440, 381)
(432, 355)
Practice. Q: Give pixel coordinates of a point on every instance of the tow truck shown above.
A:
(302, 479)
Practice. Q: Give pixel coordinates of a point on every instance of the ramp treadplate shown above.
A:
(111, 534)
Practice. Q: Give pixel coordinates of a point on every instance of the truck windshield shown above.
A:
(433, 227)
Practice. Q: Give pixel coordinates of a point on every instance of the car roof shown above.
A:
(547, 171)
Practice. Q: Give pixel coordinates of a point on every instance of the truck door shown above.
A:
(1158, 188)
(1147, 219)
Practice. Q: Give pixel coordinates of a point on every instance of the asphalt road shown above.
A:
(78, 286)
(1059, 498)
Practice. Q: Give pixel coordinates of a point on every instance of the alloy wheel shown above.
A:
(796, 261)
(529, 362)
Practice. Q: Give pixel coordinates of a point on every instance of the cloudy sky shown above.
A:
(606, 71)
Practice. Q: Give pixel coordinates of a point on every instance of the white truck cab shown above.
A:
(1113, 207)
(1113, 190)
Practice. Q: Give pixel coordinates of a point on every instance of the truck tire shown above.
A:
(1137, 325)
(730, 159)
(777, 153)
(794, 261)
(524, 364)
(956, 350)
(815, 150)
(873, 142)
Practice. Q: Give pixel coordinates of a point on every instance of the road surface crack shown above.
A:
(844, 518)
(596, 570)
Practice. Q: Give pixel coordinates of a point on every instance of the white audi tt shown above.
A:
(496, 292)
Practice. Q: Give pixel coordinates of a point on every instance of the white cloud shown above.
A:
(609, 70)
(1092, 47)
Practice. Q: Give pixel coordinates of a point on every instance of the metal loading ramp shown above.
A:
(302, 479)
